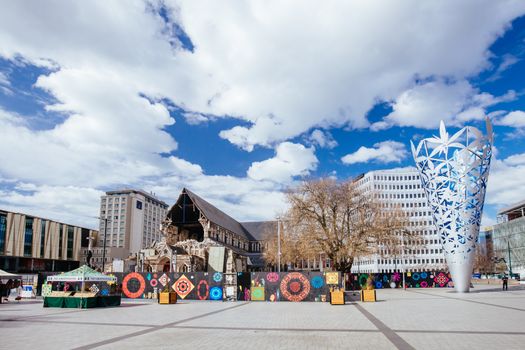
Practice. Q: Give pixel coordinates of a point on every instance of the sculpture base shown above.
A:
(461, 272)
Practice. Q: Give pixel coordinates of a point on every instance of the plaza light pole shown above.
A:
(510, 261)
(279, 245)
(104, 244)
(403, 256)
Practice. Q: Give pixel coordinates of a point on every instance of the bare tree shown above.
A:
(341, 221)
(484, 260)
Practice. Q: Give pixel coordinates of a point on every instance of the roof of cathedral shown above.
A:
(260, 230)
(252, 231)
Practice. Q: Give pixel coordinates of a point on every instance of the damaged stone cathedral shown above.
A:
(197, 236)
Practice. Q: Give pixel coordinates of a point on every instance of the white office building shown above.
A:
(133, 223)
(401, 188)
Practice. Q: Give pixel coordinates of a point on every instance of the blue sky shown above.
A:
(241, 101)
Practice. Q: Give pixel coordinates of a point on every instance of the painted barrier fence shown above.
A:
(424, 279)
(254, 286)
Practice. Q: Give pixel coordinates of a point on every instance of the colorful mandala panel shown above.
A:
(216, 293)
(217, 277)
(133, 285)
(272, 277)
(183, 286)
(317, 282)
(332, 278)
(257, 293)
(164, 279)
(203, 290)
(295, 286)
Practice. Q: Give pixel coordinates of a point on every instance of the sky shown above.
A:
(239, 101)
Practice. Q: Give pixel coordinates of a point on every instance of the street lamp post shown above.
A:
(510, 261)
(403, 256)
(278, 245)
(104, 244)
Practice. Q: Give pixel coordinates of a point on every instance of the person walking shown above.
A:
(505, 282)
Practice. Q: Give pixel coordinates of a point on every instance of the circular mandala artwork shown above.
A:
(295, 286)
(423, 275)
(441, 279)
(379, 285)
(215, 293)
(183, 286)
(415, 276)
(272, 277)
(217, 276)
(130, 287)
(362, 279)
(153, 282)
(392, 284)
(423, 284)
(203, 290)
(317, 282)
(396, 277)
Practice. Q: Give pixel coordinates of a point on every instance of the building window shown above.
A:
(42, 238)
(28, 236)
(60, 229)
(3, 228)
(139, 205)
(70, 237)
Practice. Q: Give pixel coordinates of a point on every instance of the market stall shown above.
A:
(83, 297)
(7, 282)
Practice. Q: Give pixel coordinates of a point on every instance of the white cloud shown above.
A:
(291, 159)
(514, 119)
(68, 204)
(424, 105)
(289, 69)
(195, 118)
(281, 67)
(506, 184)
(382, 152)
(322, 138)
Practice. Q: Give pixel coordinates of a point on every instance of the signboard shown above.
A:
(27, 292)
(216, 259)
(118, 265)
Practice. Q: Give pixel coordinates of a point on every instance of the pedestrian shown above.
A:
(505, 282)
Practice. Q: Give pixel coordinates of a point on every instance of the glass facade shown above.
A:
(3, 229)
(509, 243)
(70, 237)
(28, 236)
(42, 237)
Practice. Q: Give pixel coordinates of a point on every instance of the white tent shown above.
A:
(5, 276)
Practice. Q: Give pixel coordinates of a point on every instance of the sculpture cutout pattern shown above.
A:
(454, 171)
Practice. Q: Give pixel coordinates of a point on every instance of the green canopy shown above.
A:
(83, 274)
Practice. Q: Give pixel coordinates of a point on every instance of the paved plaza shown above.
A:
(419, 318)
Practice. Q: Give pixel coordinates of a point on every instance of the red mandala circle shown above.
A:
(127, 279)
(272, 277)
(153, 282)
(295, 286)
(203, 285)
